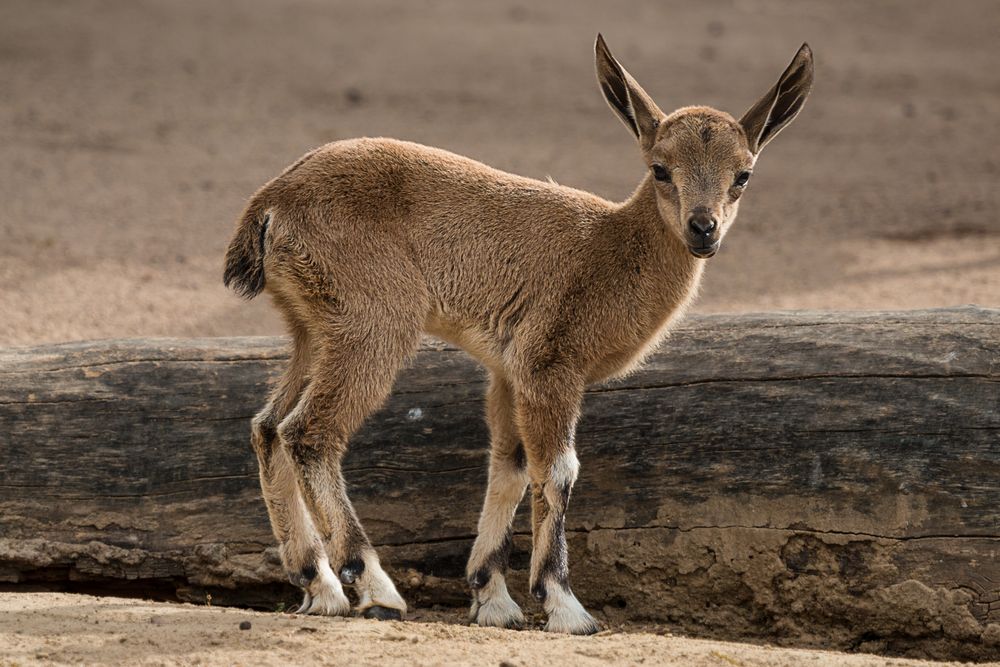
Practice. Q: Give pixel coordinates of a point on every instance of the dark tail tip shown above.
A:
(245, 257)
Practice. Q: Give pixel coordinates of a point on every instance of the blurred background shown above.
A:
(132, 133)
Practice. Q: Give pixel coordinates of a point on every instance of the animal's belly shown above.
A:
(467, 337)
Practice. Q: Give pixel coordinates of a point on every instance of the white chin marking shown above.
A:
(325, 595)
(566, 614)
(493, 606)
(374, 587)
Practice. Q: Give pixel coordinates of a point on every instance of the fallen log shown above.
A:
(826, 479)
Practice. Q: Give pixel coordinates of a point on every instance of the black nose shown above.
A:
(701, 222)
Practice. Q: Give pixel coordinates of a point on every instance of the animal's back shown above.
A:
(477, 236)
(381, 180)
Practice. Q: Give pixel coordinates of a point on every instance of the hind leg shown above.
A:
(361, 335)
(508, 478)
(352, 378)
(301, 547)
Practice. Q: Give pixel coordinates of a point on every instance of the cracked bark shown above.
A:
(820, 478)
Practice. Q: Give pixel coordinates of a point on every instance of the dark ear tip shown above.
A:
(806, 51)
(599, 44)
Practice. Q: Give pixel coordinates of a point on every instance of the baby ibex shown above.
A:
(366, 243)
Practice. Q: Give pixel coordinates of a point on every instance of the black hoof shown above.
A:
(591, 628)
(513, 625)
(380, 613)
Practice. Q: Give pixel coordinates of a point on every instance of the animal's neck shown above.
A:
(673, 272)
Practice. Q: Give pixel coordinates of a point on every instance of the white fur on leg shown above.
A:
(493, 606)
(565, 469)
(325, 595)
(376, 588)
(503, 494)
(565, 612)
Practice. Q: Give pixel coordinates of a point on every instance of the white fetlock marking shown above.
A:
(566, 614)
(495, 607)
(565, 469)
(325, 595)
(376, 588)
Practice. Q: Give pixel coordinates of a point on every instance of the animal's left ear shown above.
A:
(782, 103)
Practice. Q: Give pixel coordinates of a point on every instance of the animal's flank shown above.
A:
(245, 256)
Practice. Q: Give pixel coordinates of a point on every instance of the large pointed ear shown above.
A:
(782, 103)
(639, 113)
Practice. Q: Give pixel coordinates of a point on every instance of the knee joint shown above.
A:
(289, 430)
(292, 435)
(305, 438)
(263, 431)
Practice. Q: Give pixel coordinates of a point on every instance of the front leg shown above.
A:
(547, 408)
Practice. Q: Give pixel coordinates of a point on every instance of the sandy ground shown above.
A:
(63, 628)
(132, 133)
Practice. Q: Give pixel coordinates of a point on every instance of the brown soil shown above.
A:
(63, 628)
(132, 133)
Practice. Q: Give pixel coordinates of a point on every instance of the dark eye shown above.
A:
(660, 173)
(741, 179)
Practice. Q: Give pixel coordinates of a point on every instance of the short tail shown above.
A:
(245, 256)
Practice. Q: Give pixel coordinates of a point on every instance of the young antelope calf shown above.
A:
(364, 244)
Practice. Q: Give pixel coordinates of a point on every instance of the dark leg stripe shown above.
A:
(555, 567)
(520, 458)
(352, 569)
(303, 578)
(495, 562)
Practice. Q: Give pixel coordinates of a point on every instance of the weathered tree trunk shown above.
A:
(822, 478)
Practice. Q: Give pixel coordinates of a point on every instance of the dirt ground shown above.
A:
(62, 628)
(132, 133)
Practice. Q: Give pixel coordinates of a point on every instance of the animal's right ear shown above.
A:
(626, 97)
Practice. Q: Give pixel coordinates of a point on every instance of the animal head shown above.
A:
(700, 159)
